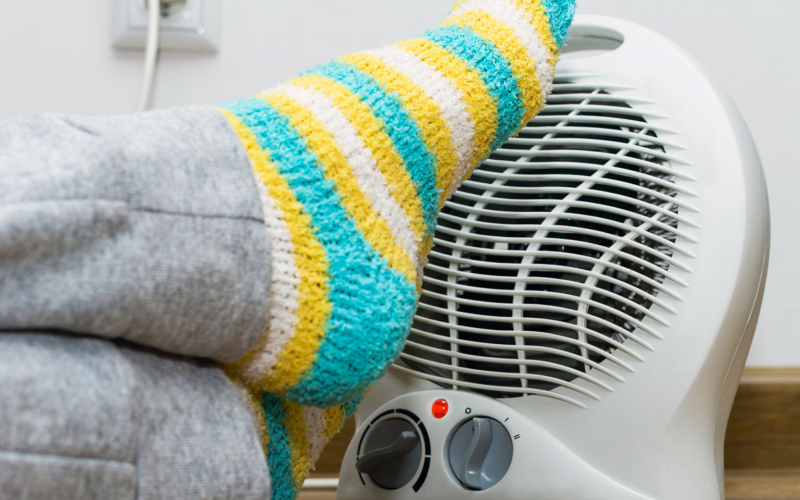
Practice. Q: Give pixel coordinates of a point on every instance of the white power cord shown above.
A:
(150, 54)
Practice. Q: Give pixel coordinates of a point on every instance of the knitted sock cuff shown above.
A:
(354, 159)
(294, 436)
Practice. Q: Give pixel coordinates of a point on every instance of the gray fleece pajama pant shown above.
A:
(133, 257)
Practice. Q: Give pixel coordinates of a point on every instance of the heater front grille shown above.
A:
(548, 260)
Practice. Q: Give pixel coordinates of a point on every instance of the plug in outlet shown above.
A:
(185, 24)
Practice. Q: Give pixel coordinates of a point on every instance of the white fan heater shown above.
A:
(590, 300)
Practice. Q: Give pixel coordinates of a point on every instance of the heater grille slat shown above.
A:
(488, 388)
(604, 354)
(587, 142)
(566, 241)
(594, 132)
(579, 217)
(534, 335)
(556, 283)
(486, 373)
(565, 297)
(486, 266)
(569, 166)
(651, 297)
(554, 353)
(568, 190)
(551, 311)
(559, 255)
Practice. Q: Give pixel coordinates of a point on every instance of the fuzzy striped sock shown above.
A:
(353, 161)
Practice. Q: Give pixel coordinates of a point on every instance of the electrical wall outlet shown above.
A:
(185, 25)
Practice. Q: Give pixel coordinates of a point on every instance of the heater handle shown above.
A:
(472, 467)
(403, 445)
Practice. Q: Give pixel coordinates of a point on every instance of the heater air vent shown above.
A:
(556, 254)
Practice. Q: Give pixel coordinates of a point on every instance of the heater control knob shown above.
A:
(480, 453)
(392, 454)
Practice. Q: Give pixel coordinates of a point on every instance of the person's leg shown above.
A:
(146, 227)
(354, 159)
(84, 418)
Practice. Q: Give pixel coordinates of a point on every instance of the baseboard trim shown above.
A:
(762, 485)
(764, 426)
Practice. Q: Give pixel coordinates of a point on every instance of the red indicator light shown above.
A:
(440, 407)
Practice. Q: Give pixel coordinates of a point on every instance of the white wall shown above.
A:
(57, 56)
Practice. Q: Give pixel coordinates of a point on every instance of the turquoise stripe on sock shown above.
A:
(373, 304)
(495, 70)
(352, 406)
(279, 458)
(560, 14)
(402, 129)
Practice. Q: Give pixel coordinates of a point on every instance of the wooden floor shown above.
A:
(318, 496)
(739, 485)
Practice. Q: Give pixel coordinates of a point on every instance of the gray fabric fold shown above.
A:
(45, 477)
(87, 418)
(144, 227)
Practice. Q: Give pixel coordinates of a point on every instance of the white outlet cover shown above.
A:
(190, 25)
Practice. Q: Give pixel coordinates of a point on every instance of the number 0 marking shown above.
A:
(468, 410)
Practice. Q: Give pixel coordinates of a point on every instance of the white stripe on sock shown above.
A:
(446, 95)
(314, 420)
(284, 285)
(365, 167)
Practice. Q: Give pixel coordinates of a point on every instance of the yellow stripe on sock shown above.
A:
(314, 307)
(298, 442)
(336, 168)
(480, 106)
(513, 50)
(372, 132)
(334, 421)
(257, 402)
(427, 246)
(422, 109)
(541, 23)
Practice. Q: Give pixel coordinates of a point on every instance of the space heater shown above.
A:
(590, 300)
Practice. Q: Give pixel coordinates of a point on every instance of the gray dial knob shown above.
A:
(392, 454)
(480, 453)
